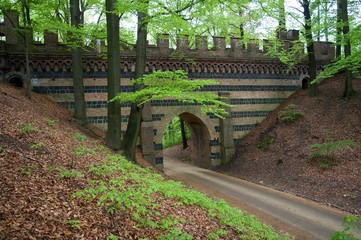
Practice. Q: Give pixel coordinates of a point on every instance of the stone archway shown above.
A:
(305, 83)
(199, 140)
(16, 81)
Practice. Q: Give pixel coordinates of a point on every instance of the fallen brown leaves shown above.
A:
(285, 166)
(35, 202)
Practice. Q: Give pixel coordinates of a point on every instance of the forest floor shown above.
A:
(282, 159)
(45, 156)
(285, 163)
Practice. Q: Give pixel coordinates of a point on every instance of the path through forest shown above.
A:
(299, 217)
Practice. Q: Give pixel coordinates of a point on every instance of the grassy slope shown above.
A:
(45, 158)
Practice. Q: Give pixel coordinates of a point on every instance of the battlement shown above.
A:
(254, 50)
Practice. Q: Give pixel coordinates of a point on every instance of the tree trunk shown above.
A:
(134, 123)
(318, 22)
(281, 16)
(348, 90)
(27, 80)
(310, 47)
(338, 30)
(77, 66)
(183, 133)
(241, 28)
(113, 76)
(325, 20)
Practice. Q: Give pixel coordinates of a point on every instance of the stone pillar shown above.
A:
(182, 43)
(219, 43)
(253, 47)
(236, 44)
(201, 43)
(147, 134)
(226, 131)
(50, 38)
(163, 42)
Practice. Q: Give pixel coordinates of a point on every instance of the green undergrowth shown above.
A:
(120, 186)
(265, 142)
(324, 153)
(291, 113)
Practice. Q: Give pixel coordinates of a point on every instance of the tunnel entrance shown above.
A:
(16, 81)
(305, 83)
(195, 149)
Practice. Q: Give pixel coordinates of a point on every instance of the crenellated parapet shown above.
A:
(220, 49)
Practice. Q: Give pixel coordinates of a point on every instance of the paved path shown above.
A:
(286, 213)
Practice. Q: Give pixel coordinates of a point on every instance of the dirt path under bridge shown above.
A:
(286, 213)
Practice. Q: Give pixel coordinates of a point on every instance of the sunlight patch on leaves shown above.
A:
(175, 85)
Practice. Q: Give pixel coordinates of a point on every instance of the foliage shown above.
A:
(119, 186)
(352, 63)
(160, 85)
(175, 233)
(218, 234)
(79, 137)
(112, 237)
(37, 145)
(83, 150)
(290, 56)
(326, 151)
(66, 173)
(27, 170)
(350, 222)
(265, 142)
(1, 149)
(173, 135)
(50, 122)
(27, 127)
(290, 114)
(73, 223)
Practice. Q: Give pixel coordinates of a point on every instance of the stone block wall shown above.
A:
(253, 96)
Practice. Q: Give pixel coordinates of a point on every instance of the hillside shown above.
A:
(45, 157)
(282, 158)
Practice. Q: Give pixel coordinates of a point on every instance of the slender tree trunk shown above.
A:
(77, 66)
(134, 123)
(27, 80)
(310, 46)
(319, 22)
(113, 76)
(241, 28)
(338, 30)
(183, 133)
(348, 91)
(281, 16)
(325, 20)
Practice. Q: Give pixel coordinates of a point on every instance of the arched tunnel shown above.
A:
(198, 145)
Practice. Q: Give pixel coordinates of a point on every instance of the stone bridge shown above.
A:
(251, 80)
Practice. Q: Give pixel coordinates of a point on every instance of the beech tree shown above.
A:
(348, 39)
(275, 10)
(348, 90)
(26, 21)
(310, 44)
(134, 121)
(113, 136)
(77, 64)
